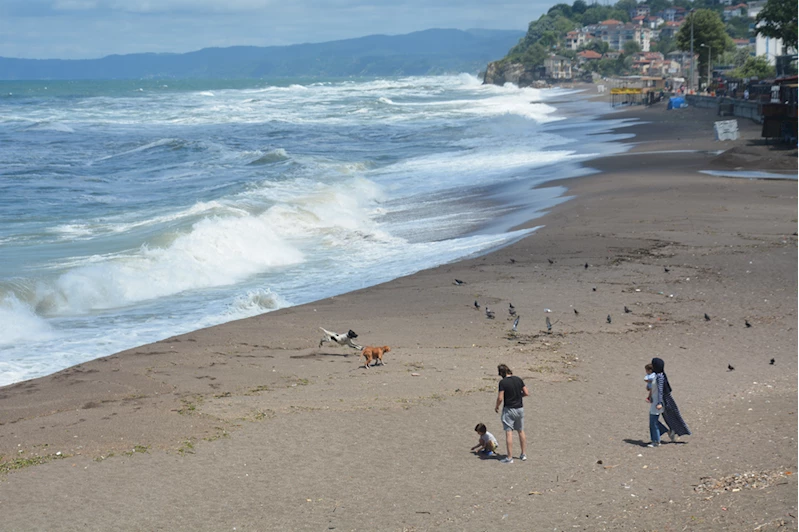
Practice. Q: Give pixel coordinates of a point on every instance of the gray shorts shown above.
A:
(513, 419)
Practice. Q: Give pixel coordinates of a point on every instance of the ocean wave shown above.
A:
(272, 156)
(19, 322)
(47, 125)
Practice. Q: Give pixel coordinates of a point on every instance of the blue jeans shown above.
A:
(656, 428)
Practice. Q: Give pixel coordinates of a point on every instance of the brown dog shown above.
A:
(375, 353)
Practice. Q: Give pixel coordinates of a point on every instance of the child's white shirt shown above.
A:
(488, 437)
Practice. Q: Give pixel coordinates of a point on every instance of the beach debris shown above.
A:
(665, 269)
(549, 325)
(547, 310)
(746, 322)
(593, 288)
(740, 481)
(415, 374)
(707, 318)
(551, 261)
(458, 282)
(626, 310)
(729, 367)
(609, 319)
(513, 261)
(575, 312)
(516, 324)
(476, 304)
(772, 361)
(586, 265)
(489, 313)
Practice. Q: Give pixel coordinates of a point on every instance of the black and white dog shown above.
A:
(340, 339)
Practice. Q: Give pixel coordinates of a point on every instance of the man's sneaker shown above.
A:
(523, 457)
(672, 436)
(653, 444)
(507, 460)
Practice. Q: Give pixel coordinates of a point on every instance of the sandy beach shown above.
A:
(251, 426)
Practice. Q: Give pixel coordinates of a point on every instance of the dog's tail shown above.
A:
(327, 332)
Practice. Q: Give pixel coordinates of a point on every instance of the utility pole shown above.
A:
(691, 82)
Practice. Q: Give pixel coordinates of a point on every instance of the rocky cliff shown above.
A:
(501, 72)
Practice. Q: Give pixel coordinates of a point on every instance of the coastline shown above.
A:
(276, 433)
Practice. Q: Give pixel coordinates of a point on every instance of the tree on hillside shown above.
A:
(631, 47)
(626, 5)
(754, 67)
(579, 7)
(708, 31)
(664, 45)
(596, 45)
(564, 10)
(597, 13)
(778, 20)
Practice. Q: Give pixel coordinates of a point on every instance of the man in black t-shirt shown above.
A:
(511, 392)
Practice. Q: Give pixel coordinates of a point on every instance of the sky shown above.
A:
(88, 29)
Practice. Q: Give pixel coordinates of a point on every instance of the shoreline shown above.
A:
(223, 405)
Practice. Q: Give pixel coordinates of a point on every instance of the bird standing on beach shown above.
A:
(458, 282)
(549, 325)
(609, 319)
(489, 313)
(626, 310)
(513, 261)
(666, 269)
(516, 324)
(729, 367)
(476, 304)
(586, 265)
(551, 261)
(746, 322)
(593, 288)
(575, 312)
(511, 309)
(772, 361)
(707, 318)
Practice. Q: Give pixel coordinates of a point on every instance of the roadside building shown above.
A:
(558, 67)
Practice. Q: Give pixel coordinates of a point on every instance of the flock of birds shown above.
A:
(490, 314)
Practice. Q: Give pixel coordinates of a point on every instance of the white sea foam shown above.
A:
(19, 322)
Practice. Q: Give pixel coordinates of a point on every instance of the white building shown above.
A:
(765, 46)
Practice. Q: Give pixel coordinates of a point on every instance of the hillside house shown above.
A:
(731, 12)
(588, 55)
(576, 39)
(558, 67)
(669, 29)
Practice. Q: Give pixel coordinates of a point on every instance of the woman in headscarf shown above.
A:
(665, 404)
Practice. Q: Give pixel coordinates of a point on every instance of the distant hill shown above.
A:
(435, 51)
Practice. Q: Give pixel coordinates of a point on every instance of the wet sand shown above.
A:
(251, 426)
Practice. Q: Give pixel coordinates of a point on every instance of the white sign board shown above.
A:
(726, 130)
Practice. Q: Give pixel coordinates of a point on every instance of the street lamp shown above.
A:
(709, 56)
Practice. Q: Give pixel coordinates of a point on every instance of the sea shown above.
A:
(132, 211)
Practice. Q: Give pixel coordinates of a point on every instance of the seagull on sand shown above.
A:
(626, 310)
(729, 367)
(458, 282)
(549, 325)
(746, 322)
(476, 304)
(609, 320)
(707, 318)
(516, 324)
(489, 313)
